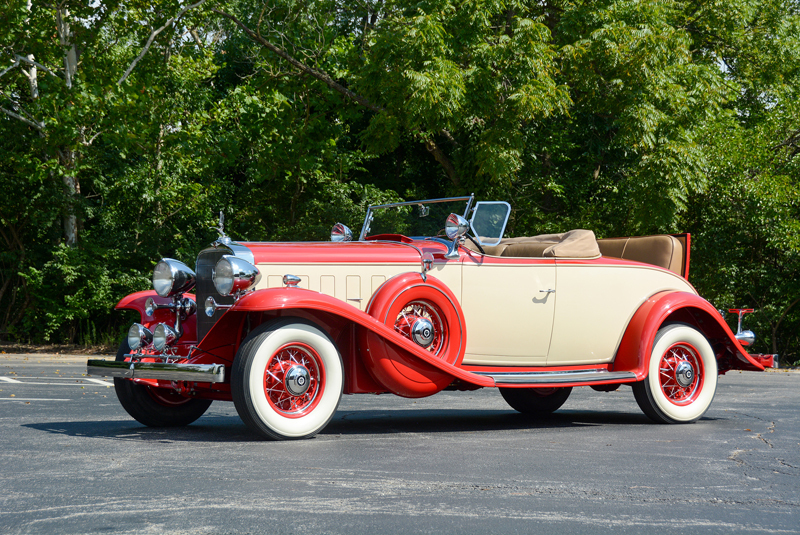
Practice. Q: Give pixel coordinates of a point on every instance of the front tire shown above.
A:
(156, 407)
(287, 379)
(681, 379)
(536, 401)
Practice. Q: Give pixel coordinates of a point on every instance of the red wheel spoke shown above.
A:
(422, 309)
(287, 357)
(681, 360)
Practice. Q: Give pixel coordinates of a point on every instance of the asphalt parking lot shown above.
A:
(72, 461)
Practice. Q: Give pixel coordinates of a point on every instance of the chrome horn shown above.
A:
(746, 338)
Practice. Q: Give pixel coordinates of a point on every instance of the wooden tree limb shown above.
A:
(443, 160)
(790, 141)
(153, 35)
(37, 126)
(437, 153)
(319, 75)
(34, 63)
(15, 64)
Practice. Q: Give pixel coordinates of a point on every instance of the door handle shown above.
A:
(550, 291)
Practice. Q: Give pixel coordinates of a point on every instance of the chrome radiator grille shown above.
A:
(206, 261)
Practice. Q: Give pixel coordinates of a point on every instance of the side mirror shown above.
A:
(455, 226)
(340, 232)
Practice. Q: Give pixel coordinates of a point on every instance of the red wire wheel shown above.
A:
(154, 406)
(682, 376)
(287, 379)
(294, 379)
(166, 397)
(414, 311)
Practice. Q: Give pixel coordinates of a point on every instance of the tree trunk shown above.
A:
(73, 189)
(67, 156)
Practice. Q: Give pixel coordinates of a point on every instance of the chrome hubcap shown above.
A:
(421, 322)
(422, 332)
(684, 374)
(297, 380)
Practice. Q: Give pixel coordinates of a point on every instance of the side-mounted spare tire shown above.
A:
(400, 303)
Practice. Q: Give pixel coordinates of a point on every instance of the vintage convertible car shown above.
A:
(423, 300)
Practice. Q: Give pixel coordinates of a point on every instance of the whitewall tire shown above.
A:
(287, 379)
(682, 376)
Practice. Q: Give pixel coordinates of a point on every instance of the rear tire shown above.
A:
(536, 401)
(682, 376)
(287, 379)
(156, 407)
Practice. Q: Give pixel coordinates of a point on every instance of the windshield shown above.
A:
(413, 218)
(426, 218)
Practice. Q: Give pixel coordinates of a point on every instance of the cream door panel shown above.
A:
(595, 304)
(509, 317)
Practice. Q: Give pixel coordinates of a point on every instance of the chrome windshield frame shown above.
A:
(368, 218)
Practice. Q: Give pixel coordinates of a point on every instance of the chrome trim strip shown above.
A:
(577, 376)
(201, 373)
(429, 201)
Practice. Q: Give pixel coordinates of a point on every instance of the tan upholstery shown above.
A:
(660, 250)
(577, 243)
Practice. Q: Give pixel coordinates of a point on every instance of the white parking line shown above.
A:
(52, 381)
(99, 381)
(9, 380)
(33, 399)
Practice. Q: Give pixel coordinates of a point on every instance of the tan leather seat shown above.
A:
(659, 250)
(578, 243)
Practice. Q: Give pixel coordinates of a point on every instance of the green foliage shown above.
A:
(623, 116)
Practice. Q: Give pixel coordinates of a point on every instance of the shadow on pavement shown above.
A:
(223, 428)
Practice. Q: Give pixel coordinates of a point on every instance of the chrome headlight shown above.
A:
(232, 275)
(163, 335)
(139, 336)
(171, 277)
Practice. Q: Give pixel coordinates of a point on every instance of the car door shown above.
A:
(509, 305)
(596, 301)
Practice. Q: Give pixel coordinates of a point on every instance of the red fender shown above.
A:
(136, 301)
(288, 299)
(634, 349)
(404, 374)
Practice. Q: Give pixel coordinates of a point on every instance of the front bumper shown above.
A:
(200, 373)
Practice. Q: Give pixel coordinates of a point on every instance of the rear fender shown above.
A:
(225, 336)
(666, 307)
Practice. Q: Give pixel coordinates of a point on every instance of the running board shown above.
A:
(577, 376)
